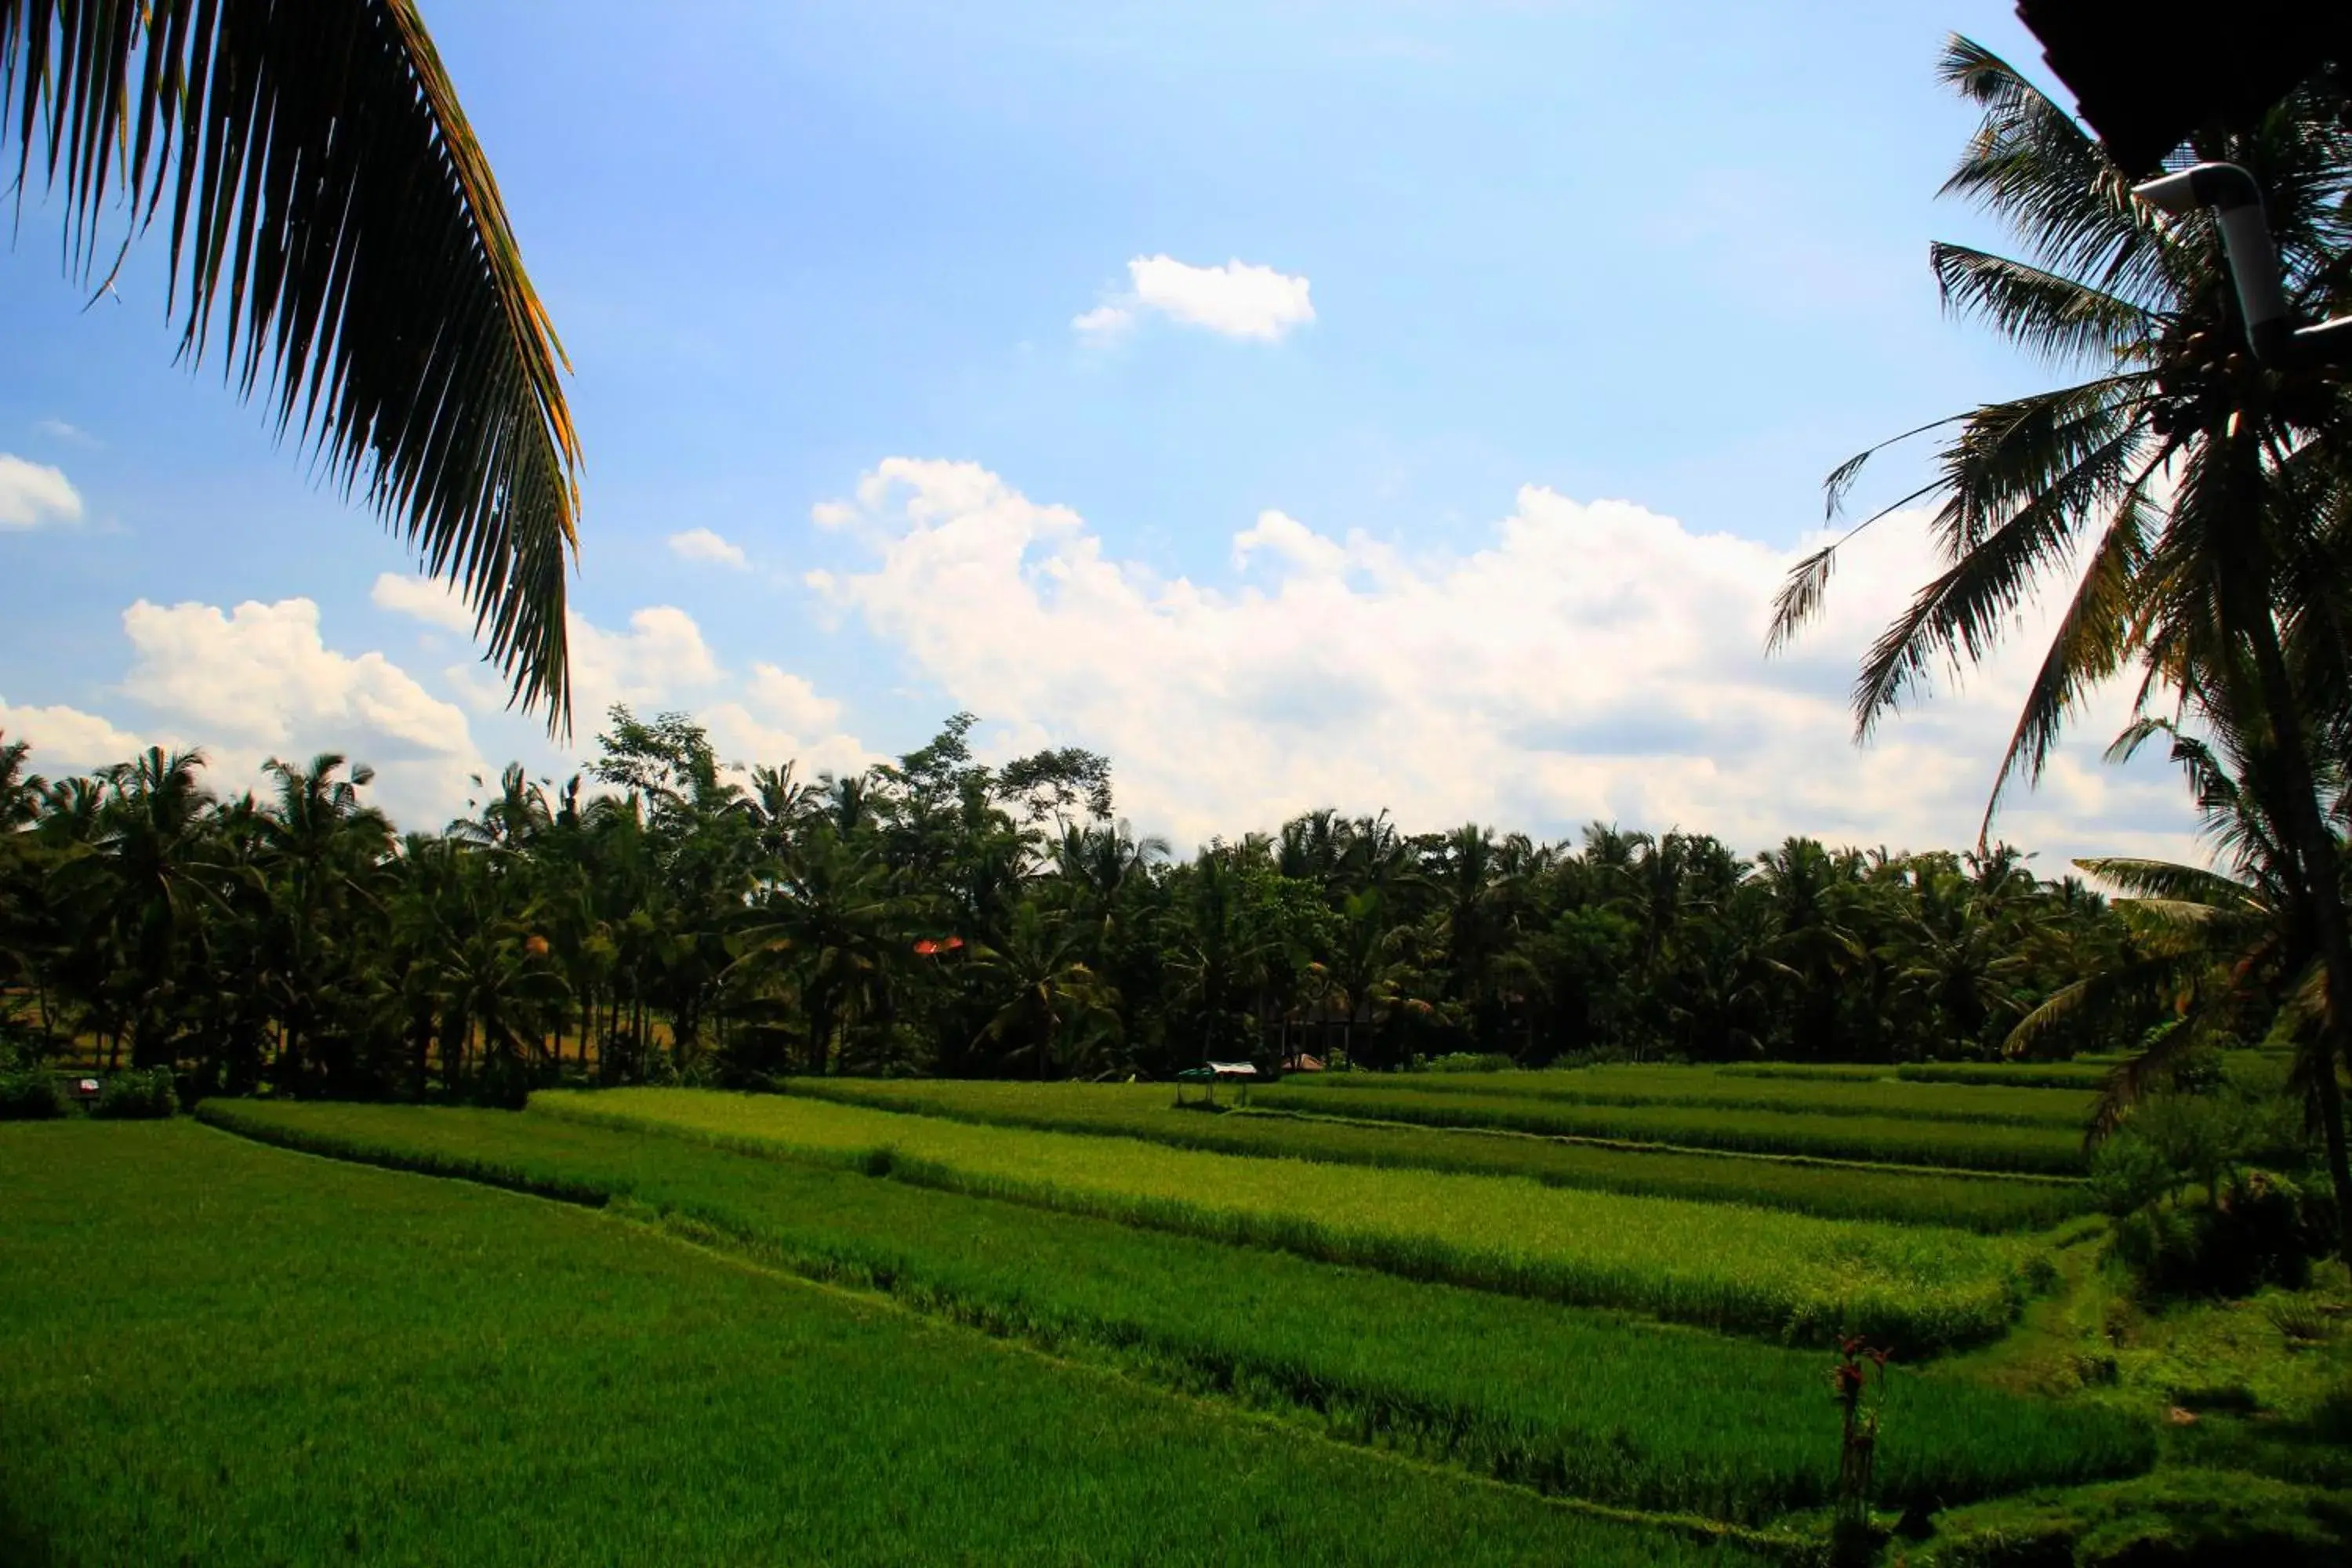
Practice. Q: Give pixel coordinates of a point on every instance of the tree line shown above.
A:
(663, 914)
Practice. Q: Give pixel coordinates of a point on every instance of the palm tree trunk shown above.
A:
(2323, 891)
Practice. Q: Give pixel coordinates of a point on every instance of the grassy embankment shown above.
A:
(215, 1352)
(1567, 1401)
(1833, 1190)
(1715, 1265)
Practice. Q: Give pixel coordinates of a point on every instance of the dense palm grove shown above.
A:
(940, 915)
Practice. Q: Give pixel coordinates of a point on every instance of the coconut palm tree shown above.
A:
(332, 215)
(2236, 949)
(1036, 976)
(2198, 497)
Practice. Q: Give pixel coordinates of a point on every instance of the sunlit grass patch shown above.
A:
(1718, 1265)
(1985, 1203)
(2047, 1149)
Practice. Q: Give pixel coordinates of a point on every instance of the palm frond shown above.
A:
(2092, 639)
(334, 219)
(2167, 879)
(2055, 318)
(2023, 478)
(2031, 164)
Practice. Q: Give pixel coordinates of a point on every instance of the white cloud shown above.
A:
(259, 681)
(701, 545)
(32, 493)
(68, 740)
(424, 598)
(660, 661)
(1236, 299)
(780, 717)
(59, 430)
(1103, 321)
(1593, 660)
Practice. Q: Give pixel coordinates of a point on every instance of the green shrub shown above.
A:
(1470, 1061)
(137, 1096)
(2261, 1229)
(30, 1094)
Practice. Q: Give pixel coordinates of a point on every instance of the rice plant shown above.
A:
(1567, 1400)
(1985, 1100)
(1841, 1191)
(218, 1352)
(2044, 1150)
(1718, 1265)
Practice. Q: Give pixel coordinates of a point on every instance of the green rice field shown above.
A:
(649, 1324)
(1589, 1405)
(1839, 1191)
(1951, 1100)
(1730, 1267)
(2040, 1148)
(215, 1351)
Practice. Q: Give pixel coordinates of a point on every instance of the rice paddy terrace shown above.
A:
(1576, 1316)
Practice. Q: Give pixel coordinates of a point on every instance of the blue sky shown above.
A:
(1458, 380)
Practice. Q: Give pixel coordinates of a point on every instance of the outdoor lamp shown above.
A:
(2237, 204)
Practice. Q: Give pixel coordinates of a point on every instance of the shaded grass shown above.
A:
(2046, 1150)
(1715, 1265)
(1980, 1203)
(1718, 1089)
(212, 1352)
(1564, 1400)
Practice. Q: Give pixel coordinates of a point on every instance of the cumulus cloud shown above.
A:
(66, 739)
(259, 681)
(32, 493)
(703, 545)
(1593, 660)
(782, 717)
(1236, 299)
(424, 598)
(660, 660)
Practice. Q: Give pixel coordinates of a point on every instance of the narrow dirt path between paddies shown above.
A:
(1983, 1201)
(1731, 1266)
(215, 1351)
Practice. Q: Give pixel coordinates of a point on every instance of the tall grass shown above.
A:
(1565, 1400)
(1890, 1139)
(1718, 1265)
(1992, 1101)
(212, 1352)
(1982, 1203)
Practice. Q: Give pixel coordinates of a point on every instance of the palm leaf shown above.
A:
(2034, 166)
(334, 219)
(2091, 641)
(2169, 881)
(2023, 477)
(2056, 318)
